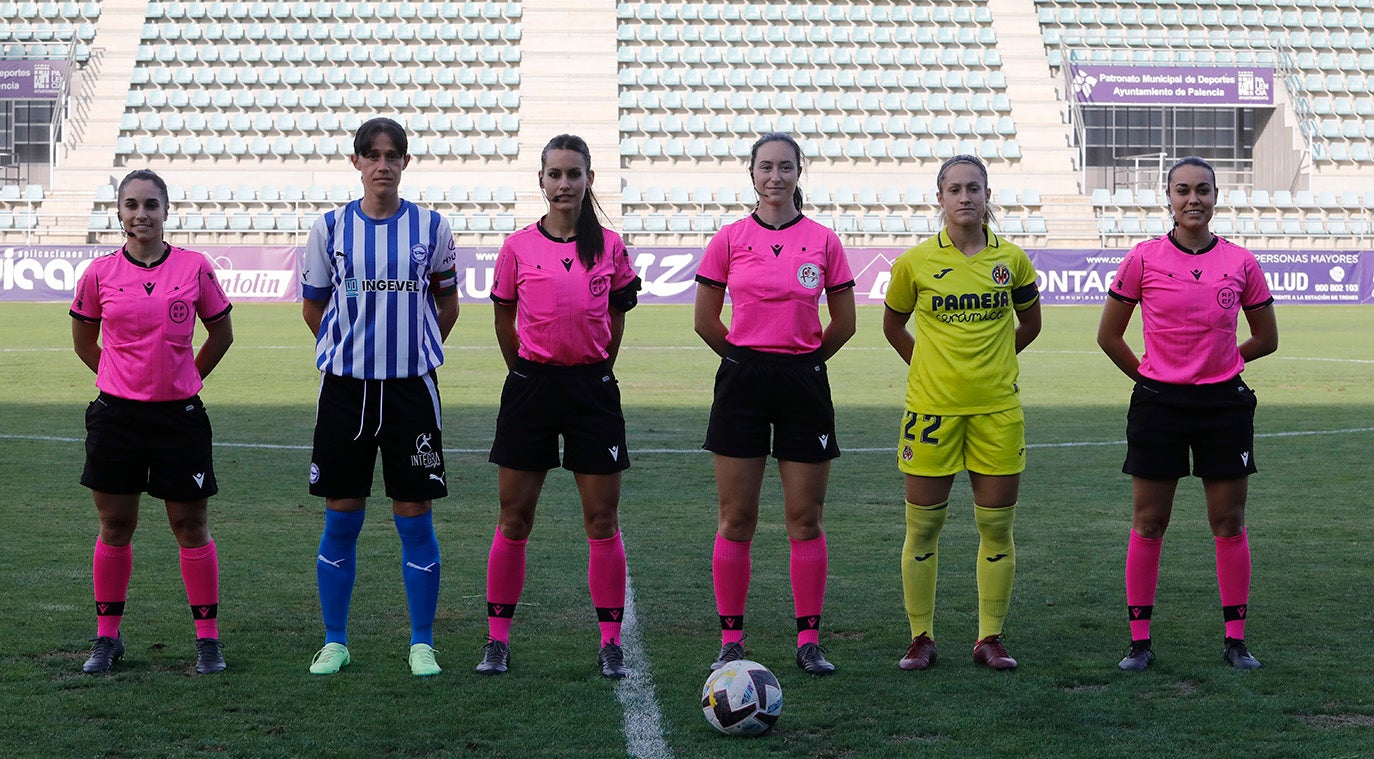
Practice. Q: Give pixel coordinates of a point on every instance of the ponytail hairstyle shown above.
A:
(796, 149)
(149, 175)
(591, 240)
(988, 218)
(1190, 160)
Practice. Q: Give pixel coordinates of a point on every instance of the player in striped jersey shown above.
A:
(975, 302)
(561, 291)
(1191, 287)
(380, 296)
(776, 263)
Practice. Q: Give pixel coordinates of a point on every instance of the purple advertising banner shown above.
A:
(1294, 276)
(50, 272)
(32, 80)
(1082, 277)
(1066, 277)
(667, 274)
(1172, 85)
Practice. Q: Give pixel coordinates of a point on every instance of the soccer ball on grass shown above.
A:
(742, 698)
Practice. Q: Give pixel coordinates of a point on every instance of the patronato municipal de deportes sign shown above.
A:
(32, 80)
(1172, 85)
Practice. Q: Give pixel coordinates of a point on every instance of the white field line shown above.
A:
(1335, 360)
(881, 449)
(643, 722)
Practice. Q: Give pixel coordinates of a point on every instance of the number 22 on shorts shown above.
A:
(931, 422)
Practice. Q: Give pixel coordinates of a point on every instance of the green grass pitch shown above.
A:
(1309, 522)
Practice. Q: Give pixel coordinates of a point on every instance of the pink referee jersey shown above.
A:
(775, 277)
(1190, 303)
(562, 310)
(147, 321)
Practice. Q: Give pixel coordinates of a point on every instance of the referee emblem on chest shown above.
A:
(809, 275)
(598, 286)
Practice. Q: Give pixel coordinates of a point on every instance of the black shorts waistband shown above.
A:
(114, 400)
(740, 353)
(1232, 392)
(359, 381)
(528, 367)
(1158, 385)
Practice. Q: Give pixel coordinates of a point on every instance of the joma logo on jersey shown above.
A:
(967, 301)
(354, 286)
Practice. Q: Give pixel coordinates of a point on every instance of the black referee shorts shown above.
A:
(1215, 422)
(355, 418)
(540, 402)
(162, 447)
(786, 394)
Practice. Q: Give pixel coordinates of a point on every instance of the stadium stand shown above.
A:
(1320, 52)
(249, 109)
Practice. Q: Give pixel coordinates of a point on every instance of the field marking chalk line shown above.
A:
(643, 721)
(881, 449)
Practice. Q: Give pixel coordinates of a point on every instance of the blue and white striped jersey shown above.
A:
(381, 321)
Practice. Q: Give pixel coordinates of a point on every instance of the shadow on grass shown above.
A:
(1308, 531)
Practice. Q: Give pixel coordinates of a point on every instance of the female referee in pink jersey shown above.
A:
(133, 324)
(776, 263)
(561, 290)
(1191, 286)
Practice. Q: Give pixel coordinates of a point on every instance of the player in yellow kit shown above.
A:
(976, 306)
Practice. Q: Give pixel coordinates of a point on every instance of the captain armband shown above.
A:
(445, 282)
(1025, 295)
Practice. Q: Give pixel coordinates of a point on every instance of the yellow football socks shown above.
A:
(920, 560)
(996, 566)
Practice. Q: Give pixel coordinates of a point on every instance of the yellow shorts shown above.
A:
(938, 446)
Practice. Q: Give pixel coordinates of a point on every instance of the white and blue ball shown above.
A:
(742, 698)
